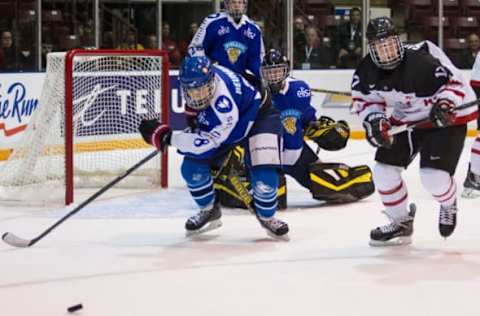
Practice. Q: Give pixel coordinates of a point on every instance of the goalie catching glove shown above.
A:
(328, 134)
(156, 133)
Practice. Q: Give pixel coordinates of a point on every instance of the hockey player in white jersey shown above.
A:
(231, 39)
(418, 83)
(230, 112)
(471, 185)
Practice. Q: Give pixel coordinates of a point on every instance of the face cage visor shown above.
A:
(274, 75)
(199, 98)
(236, 8)
(386, 53)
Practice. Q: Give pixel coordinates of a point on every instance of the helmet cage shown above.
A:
(275, 74)
(387, 53)
(234, 13)
(199, 97)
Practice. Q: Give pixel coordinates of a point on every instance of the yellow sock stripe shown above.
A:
(362, 179)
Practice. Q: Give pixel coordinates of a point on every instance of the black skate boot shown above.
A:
(471, 185)
(205, 220)
(275, 228)
(398, 232)
(447, 220)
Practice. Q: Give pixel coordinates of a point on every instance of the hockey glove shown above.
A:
(156, 133)
(442, 113)
(376, 126)
(328, 134)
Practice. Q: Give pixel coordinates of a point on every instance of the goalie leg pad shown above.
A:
(339, 183)
(226, 192)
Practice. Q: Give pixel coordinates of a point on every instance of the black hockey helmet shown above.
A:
(384, 45)
(275, 69)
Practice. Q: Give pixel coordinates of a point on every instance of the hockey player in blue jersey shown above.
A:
(230, 112)
(329, 182)
(231, 39)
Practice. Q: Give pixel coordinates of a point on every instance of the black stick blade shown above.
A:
(15, 241)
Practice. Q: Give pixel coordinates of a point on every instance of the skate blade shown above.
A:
(210, 226)
(284, 237)
(398, 241)
(469, 193)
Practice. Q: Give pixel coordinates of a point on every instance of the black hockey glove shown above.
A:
(328, 134)
(442, 113)
(156, 133)
(376, 126)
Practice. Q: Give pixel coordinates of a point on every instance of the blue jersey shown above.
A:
(236, 46)
(293, 102)
(226, 121)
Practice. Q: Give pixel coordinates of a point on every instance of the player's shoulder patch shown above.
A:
(223, 104)
(301, 88)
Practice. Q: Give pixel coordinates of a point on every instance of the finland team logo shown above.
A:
(223, 104)
(234, 49)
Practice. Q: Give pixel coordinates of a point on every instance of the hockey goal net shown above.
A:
(84, 132)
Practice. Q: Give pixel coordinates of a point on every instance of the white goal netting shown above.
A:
(111, 94)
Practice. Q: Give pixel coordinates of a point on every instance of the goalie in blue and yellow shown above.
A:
(329, 182)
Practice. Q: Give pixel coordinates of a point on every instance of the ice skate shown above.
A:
(471, 185)
(397, 233)
(447, 220)
(205, 220)
(274, 227)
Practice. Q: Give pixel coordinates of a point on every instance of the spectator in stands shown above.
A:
(183, 46)
(314, 55)
(466, 58)
(349, 40)
(107, 40)
(170, 46)
(151, 42)
(8, 59)
(299, 38)
(130, 41)
(86, 33)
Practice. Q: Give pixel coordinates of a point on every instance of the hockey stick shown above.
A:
(345, 93)
(406, 127)
(16, 241)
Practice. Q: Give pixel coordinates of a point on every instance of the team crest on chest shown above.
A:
(234, 50)
(290, 124)
(289, 119)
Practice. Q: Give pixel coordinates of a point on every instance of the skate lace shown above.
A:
(273, 222)
(394, 223)
(447, 215)
(197, 218)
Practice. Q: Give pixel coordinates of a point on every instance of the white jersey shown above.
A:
(475, 76)
(424, 76)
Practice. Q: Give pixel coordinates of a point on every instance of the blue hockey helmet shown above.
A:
(236, 8)
(197, 81)
(275, 69)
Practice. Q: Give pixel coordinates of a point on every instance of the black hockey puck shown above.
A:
(74, 308)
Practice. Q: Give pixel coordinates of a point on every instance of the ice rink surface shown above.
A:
(129, 256)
